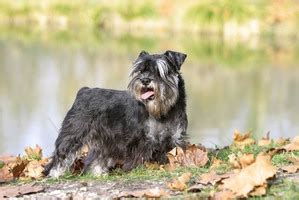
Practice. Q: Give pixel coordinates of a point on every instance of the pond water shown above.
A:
(246, 85)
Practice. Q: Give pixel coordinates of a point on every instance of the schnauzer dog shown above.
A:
(126, 128)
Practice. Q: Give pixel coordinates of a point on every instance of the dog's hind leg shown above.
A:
(67, 146)
(97, 161)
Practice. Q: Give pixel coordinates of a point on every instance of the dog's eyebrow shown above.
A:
(162, 67)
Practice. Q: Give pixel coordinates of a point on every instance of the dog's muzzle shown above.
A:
(147, 93)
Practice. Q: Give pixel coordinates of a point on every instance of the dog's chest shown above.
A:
(159, 131)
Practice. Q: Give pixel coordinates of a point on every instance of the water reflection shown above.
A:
(249, 86)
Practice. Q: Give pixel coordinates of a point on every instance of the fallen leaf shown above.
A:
(233, 161)
(149, 193)
(152, 166)
(265, 141)
(215, 163)
(33, 154)
(17, 167)
(250, 177)
(290, 168)
(223, 195)
(241, 140)
(246, 160)
(293, 146)
(282, 141)
(7, 159)
(5, 174)
(193, 156)
(259, 191)
(196, 188)
(294, 159)
(34, 169)
(179, 184)
(212, 177)
(15, 191)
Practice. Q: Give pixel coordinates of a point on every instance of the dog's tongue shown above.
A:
(147, 95)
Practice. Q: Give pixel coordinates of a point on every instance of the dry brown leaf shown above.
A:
(215, 163)
(293, 146)
(252, 176)
(5, 174)
(34, 154)
(223, 195)
(149, 193)
(241, 140)
(233, 161)
(246, 160)
(265, 141)
(212, 177)
(260, 190)
(294, 159)
(17, 167)
(196, 188)
(282, 141)
(34, 169)
(194, 156)
(7, 158)
(152, 166)
(15, 191)
(180, 183)
(290, 168)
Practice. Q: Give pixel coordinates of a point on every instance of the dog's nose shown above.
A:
(145, 81)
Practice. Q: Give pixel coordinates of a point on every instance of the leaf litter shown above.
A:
(247, 175)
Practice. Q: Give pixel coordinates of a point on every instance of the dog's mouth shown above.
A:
(147, 93)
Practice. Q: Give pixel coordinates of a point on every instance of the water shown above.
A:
(251, 85)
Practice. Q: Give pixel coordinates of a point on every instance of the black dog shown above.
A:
(126, 128)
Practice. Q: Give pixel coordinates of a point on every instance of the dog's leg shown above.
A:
(95, 164)
(67, 146)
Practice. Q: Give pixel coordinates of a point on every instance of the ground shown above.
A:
(264, 169)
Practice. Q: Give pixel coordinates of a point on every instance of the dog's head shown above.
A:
(155, 80)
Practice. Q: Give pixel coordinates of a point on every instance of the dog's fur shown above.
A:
(126, 128)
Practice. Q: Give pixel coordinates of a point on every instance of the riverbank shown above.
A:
(222, 17)
(247, 168)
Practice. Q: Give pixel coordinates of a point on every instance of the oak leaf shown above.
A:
(259, 190)
(34, 169)
(241, 140)
(34, 154)
(282, 141)
(290, 168)
(293, 146)
(213, 178)
(252, 176)
(5, 174)
(265, 141)
(215, 163)
(246, 160)
(17, 167)
(193, 156)
(180, 183)
(223, 195)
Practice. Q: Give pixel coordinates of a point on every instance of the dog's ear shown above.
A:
(142, 53)
(176, 58)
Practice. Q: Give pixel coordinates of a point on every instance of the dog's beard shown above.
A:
(158, 97)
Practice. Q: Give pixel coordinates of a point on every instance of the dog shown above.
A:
(126, 128)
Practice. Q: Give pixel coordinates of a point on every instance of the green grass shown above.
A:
(284, 189)
(138, 174)
(1, 164)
